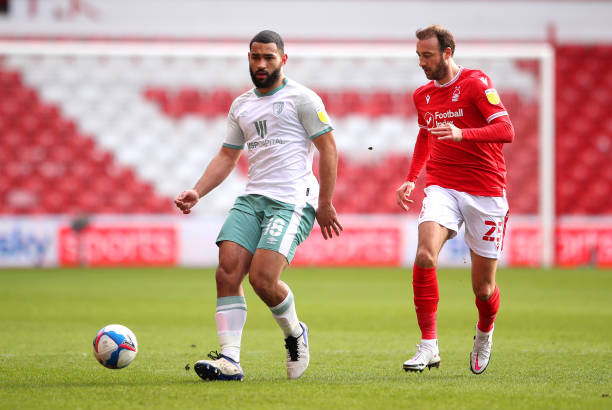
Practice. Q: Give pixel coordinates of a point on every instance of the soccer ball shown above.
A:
(115, 346)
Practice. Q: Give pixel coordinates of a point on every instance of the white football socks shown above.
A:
(285, 315)
(431, 344)
(230, 317)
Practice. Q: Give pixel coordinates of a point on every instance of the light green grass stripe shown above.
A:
(284, 305)
(559, 358)
(230, 300)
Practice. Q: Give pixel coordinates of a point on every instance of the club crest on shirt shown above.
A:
(277, 108)
(492, 96)
(456, 94)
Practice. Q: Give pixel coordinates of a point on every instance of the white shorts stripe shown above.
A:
(292, 229)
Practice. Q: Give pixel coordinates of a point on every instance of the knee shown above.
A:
(259, 282)
(425, 258)
(484, 291)
(227, 277)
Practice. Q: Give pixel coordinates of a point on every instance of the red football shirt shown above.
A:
(468, 101)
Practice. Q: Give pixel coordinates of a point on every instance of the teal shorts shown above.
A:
(260, 222)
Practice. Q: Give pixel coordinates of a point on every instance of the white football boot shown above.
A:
(426, 356)
(481, 354)
(220, 367)
(298, 353)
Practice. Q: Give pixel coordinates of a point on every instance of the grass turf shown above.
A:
(552, 346)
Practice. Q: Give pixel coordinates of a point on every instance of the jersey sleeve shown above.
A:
(486, 98)
(234, 137)
(312, 115)
(419, 156)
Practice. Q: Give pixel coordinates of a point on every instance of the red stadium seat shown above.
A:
(48, 165)
(39, 143)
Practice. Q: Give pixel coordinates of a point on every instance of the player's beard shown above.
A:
(439, 72)
(267, 82)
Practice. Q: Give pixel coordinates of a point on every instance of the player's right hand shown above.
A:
(402, 195)
(186, 200)
(328, 220)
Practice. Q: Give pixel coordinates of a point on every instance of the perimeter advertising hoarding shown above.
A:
(190, 241)
(580, 245)
(118, 245)
(365, 241)
(28, 242)
(357, 246)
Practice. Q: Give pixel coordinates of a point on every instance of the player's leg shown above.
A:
(266, 270)
(487, 302)
(438, 222)
(264, 276)
(485, 290)
(485, 221)
(237, 241)
(231, 310)
(432, 237)
(285, 228)
(426, 296)
(230, 316)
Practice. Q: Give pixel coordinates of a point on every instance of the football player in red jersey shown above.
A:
(463, 126)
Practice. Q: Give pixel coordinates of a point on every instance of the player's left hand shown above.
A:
(328, 220)
(447, 132)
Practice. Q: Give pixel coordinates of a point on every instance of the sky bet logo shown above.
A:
(17, 245)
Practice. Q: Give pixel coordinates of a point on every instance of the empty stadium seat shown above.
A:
(150, 125)
(48, 166)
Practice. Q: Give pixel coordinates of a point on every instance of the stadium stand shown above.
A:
(96, 135)
(584, 129)
(50, 167)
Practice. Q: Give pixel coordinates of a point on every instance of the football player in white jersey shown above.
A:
(279, 123)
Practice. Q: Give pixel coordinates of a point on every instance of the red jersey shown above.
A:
(467, 101)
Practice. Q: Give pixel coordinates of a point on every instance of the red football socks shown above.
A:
(487, 311)
(426, 297)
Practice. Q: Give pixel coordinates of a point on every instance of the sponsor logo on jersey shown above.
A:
(427, 97)
(261, 127)
(277, 108)
(492, 96)
(442, 118)
(323, 116)
(456, 94)
(265, 143)
(449, 114)
(429, 119)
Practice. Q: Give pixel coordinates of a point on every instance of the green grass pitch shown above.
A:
(552, 346)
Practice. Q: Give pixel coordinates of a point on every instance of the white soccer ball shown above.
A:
(115, 346)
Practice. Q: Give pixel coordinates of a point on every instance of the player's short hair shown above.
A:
(269, 36)
(445, 37)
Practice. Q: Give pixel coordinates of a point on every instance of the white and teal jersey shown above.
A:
(277, 130)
